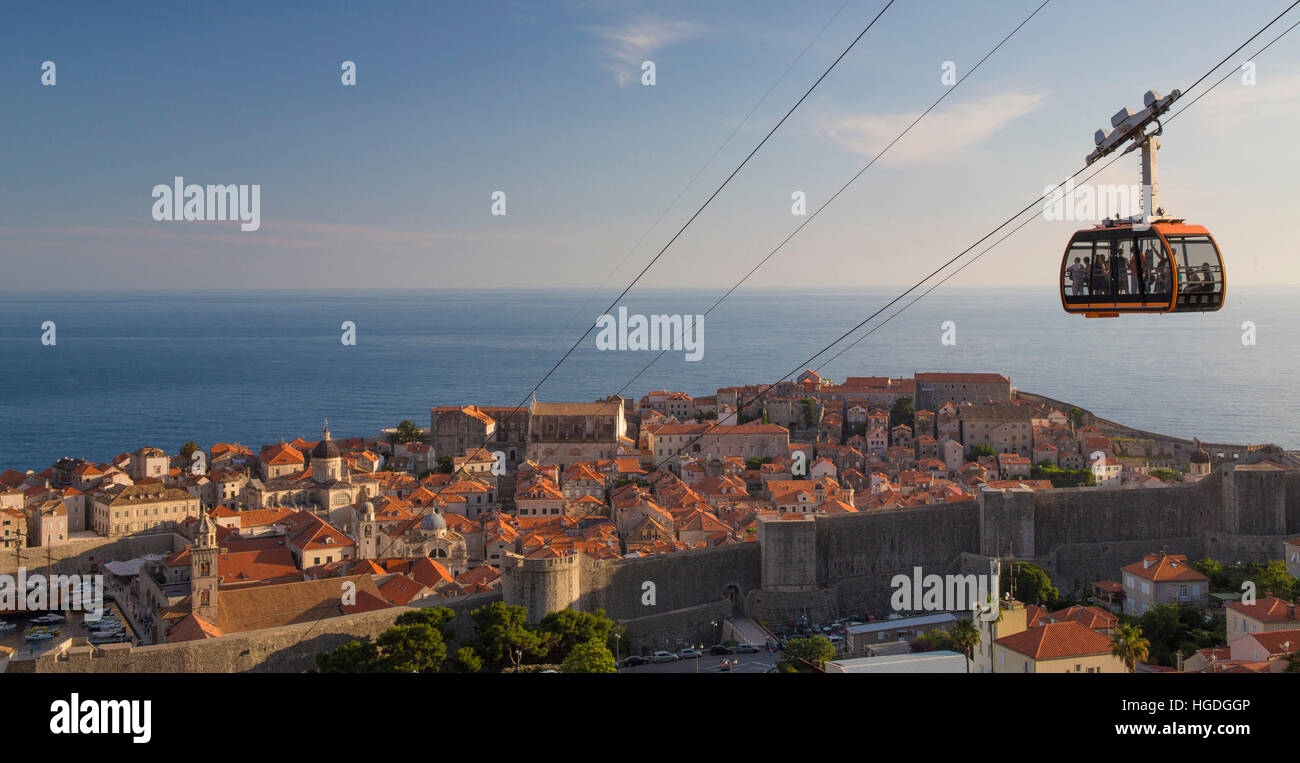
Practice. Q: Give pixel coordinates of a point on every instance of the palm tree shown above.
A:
(1127, 644)
(965, 636)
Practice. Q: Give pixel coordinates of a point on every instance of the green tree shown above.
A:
(1128, 644)
(1272, 579)
(568, 628)
(438, 618)
(1032, 584)
(980, 451)
(934, 641)
(590, 656)
(188, 449)
(465, 661)
(407, 432)
(901, 412)
(444, 465)
(800, 653)
(965, 637)
(352, 657)
(1213, 570)
(502, 635)
(416, 643)
(415, 648)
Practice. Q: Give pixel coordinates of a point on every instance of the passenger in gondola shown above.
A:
(1163, 281)
(1135, 269)
(1078, 274)
(1200, 279)
(1121, 274)
(1099, 275)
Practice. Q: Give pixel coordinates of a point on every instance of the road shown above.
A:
(748, 663)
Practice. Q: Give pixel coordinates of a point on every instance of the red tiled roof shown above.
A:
(1056, 640)
(1269, 609)
(1165, 567)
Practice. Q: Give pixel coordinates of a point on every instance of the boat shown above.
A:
(50, 618)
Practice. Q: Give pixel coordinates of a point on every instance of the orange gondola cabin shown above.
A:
(1166, 267)
(1147, 263)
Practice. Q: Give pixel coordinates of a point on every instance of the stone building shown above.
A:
(935, 389)
(148, 462)
(1004, 428)
(718, 441)
(454, 430)
(566, 433)
(125, 509)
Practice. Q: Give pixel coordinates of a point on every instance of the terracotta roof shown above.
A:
(1279, 642)
(400, 589)
(1165, 567)
(1269, 609)
(281, 454)
(1089, 617)
(256, 607)
(193, 628)
(1056, 640)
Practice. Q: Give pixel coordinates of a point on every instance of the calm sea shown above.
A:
(133, 369)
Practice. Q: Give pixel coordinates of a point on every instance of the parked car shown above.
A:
(690, 654)
(635, 660)
(744, 649)
(717, 649)
(662, 656)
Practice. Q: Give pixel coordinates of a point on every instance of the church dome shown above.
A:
(434, 522)
(326, 447)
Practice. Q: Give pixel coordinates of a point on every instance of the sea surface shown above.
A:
(133, 369)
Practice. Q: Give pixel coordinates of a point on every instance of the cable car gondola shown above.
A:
(1148, 263)
(1158, 268)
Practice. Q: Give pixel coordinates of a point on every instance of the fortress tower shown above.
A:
(543, 585)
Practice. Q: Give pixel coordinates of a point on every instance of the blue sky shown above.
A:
(388, 184)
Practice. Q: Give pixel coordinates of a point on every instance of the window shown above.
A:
(1199, 270)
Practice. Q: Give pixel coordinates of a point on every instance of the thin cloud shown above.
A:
(1275, 97)
(939, 138)
(627, 46)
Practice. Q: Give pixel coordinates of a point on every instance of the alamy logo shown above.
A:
(1089, 203)
(946, 593)
(654, 332)
(37, 593)
(210, 203)
(103, 716)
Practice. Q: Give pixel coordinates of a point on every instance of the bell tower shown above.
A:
(204, 576)
(367, 533)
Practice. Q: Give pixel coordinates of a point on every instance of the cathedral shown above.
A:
(411, 539)
(324, 484)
